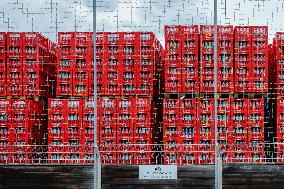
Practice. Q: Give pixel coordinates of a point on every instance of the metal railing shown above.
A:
(142, 154)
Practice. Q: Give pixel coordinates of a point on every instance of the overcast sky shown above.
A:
(50, 16)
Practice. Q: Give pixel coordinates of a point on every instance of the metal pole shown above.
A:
(97, 162)
(218, 185)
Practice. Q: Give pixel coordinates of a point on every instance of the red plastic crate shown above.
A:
(66, 38)
(172, 158)
(143, 158)
(14, 44)
(172, 32)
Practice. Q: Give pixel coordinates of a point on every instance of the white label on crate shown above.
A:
(157, 172)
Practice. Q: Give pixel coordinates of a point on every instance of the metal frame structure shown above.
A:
(218, 161)
(97, 162)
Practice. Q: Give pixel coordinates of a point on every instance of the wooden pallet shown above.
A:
(180, 95)
(35, 98)
(251, 95)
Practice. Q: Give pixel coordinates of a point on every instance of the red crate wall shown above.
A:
(179, 128)
(28, 65)
(225, 58)
(3, 49)
(259, 72)
(272, 83)
(251, 59)
(278, 58)
(240, 130)
(189, 58)
(247, 130)
(181, 59)
(279, 129)
(20, 126)
(128, 63)
(121, 121)
(74, 61)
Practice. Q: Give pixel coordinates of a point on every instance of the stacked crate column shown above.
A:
(189, 131)
(279, 61)
(172, 67)
(242, 52)
(34, 51)
(206, 59)
(74, 131)
(239, 131)
(14, 64)
(259, 63)
(57, 129)
(3, 62)
(189, 59)
(107, 124)
(206, 130)
(280, 129)
(225, 59)
(65, 63)
(5, 125)
(142, 131)
(126, 121)
(112, 79)
(224, 127)
(20, 131)
(147, 65)
(83, 60)
(100, 49)
(130, 63)
(171, 131)
(88, 129)
(256, 129)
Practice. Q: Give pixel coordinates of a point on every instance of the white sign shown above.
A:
(157, 172)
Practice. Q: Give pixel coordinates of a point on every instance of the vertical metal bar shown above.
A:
(97, 163)
(216, 167)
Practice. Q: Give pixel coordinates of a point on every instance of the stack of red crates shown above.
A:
(26, 67)
(279, 130)
(259, 63)
(171, 130)
(179, 131)
(205, 112)
(3, 49)
(189, 59)
(251, 59)
(272, 81)
(225, 35)
(28, 64)
(15, 64)
(256, 129)
(242, 58)
(107, 124)
(125, 130)
(239, 130)
(143, 130)
(21, 125)
(181, 59)
(278, 63)
(247, 130)
(5, 125)
(65, 131)
(128, 63)
(74, 62)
